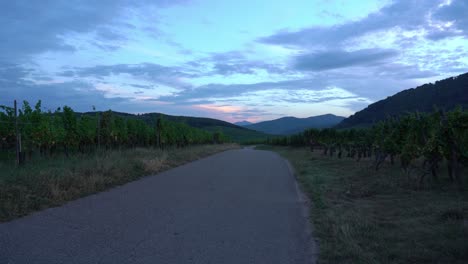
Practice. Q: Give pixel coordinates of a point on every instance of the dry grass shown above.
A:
(45, 183)
(364, 216)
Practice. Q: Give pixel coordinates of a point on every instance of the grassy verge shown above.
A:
(44, 183)
(364, 216)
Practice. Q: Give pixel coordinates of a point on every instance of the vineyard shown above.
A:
(64, 132)
(421, 142)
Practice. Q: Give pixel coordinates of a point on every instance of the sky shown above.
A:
(231, 60)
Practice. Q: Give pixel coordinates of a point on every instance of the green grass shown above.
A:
(363, 216)
(43, 183)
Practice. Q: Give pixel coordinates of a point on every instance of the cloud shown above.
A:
(326, 60)
(402, 14)
(368, 46)
(402, 72)
(33, 27)
(226, 56)
(80, 95)
(315, 93)
(144, 86)
(312, 90)
(371, 81)
(438, 34)
(233, 68)
(245, 67)
(10, 72)
(158, 74)
(16, 83)
(343, 66)
(455, 12)
(215, 92)
(233, 62)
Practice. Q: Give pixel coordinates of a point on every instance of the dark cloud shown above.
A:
(456, 12)
(226, 56)
(80, 95)
(233, 62)
(438, 34)
(170, 76)
(105, 46)
(319, 61)
(368, 82)
(401, 14)
(245, 67)
(10, 72)
(220, 91)
(404, 72)
(216, 93)
(67, 73)
(317, 100)
(144, 86)
(110, 34)
(228, 69)
(430, 17)
(32, 27)
(144, 69)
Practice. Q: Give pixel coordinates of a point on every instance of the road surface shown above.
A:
(239, 206)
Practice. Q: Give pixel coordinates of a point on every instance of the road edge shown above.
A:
(306, 203)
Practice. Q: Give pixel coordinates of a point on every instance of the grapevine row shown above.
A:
(429, 138)
(64, 131)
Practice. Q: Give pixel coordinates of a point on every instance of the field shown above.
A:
(49, 182)
(365, 216)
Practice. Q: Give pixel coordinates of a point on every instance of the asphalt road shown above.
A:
(240, 206)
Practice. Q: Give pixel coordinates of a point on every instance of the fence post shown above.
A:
(17, 136)
(99, 131)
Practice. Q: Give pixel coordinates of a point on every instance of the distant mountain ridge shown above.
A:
(292, 125)
(444, 94)
(243, 123)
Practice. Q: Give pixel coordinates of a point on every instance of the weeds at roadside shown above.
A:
(44, 183)
(364, 216)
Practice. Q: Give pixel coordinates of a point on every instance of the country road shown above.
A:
(239, 206)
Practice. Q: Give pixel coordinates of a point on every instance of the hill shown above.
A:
(445, 94)
(234, 132)
(292, 125)
(243, 123)
(240, 135)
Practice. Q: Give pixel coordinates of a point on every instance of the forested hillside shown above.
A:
(291, 125)
(445, 94)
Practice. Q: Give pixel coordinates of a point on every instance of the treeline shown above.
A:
(446, 94)
(426, 140)
(65, 131)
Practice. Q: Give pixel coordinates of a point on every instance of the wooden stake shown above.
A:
(17, 136)
(99, 131)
